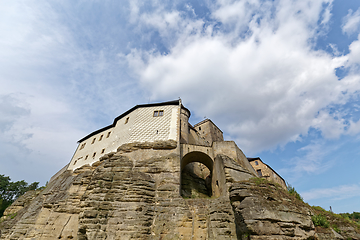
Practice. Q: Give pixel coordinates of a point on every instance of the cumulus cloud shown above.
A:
(351, 22)
(259, 77)
(335, 193)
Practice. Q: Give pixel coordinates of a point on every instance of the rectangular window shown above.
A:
(93, 141)
(158, 113)
(101, 137)
(259, 172)
(108, 135)
(127, 120)
(256, 163)
(94, 154)
(102, 151)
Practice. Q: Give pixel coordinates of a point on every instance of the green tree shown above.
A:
(10, 191)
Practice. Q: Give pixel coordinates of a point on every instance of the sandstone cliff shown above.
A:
(135, 194)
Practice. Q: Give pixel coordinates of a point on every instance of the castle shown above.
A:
(152, 175)
(167, 121)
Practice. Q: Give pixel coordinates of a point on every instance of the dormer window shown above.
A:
(159, 113)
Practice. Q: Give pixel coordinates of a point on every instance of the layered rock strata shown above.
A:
(135, 194)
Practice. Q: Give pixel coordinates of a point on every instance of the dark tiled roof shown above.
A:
(176, 102)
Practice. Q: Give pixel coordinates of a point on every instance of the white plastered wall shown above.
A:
(141, 126)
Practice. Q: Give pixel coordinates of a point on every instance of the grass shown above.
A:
(320, 220)
(293, 192)
(336, 229)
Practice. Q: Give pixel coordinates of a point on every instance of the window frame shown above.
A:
(158, 113)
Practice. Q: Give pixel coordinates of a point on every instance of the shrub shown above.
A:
(293, 192)
(318, 208)
(320, 220)
(259, 181)
(336, 229)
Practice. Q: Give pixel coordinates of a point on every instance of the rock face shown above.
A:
(265, 211)
(135, 194)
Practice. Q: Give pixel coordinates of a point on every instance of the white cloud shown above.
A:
(311, 159)
(47, 99)
(335, 193)
(265, 89)
(351, 22)
(354, 55)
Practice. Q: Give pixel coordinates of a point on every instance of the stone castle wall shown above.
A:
(139, 125)
(267, 172)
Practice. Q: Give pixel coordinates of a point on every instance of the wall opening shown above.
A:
(196, 175)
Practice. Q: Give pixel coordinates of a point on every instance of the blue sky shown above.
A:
(281, 78)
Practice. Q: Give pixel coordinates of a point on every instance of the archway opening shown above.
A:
(196, 175)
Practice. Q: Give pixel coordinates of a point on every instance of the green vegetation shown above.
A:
(320, 220)
(10, 191)
(293, 192)
(319, 208)
(355, 216)
(336, 229)
(259, 181)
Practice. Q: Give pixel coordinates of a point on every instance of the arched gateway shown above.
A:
(196, 175)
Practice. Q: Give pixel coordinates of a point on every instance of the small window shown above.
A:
(86, 157)
(93, 141)
(256, 163)
(159, 113)
(101, 137)
(108, 135)
(102, 151)
(82, 146)
(259, 172)
(94, 154)
(75, 162)
(126, 120)
(199, 128)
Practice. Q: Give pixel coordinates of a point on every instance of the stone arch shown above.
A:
(197, 156)
(192, 181)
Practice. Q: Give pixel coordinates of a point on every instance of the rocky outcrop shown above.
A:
(135, 194)
(265, 211)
